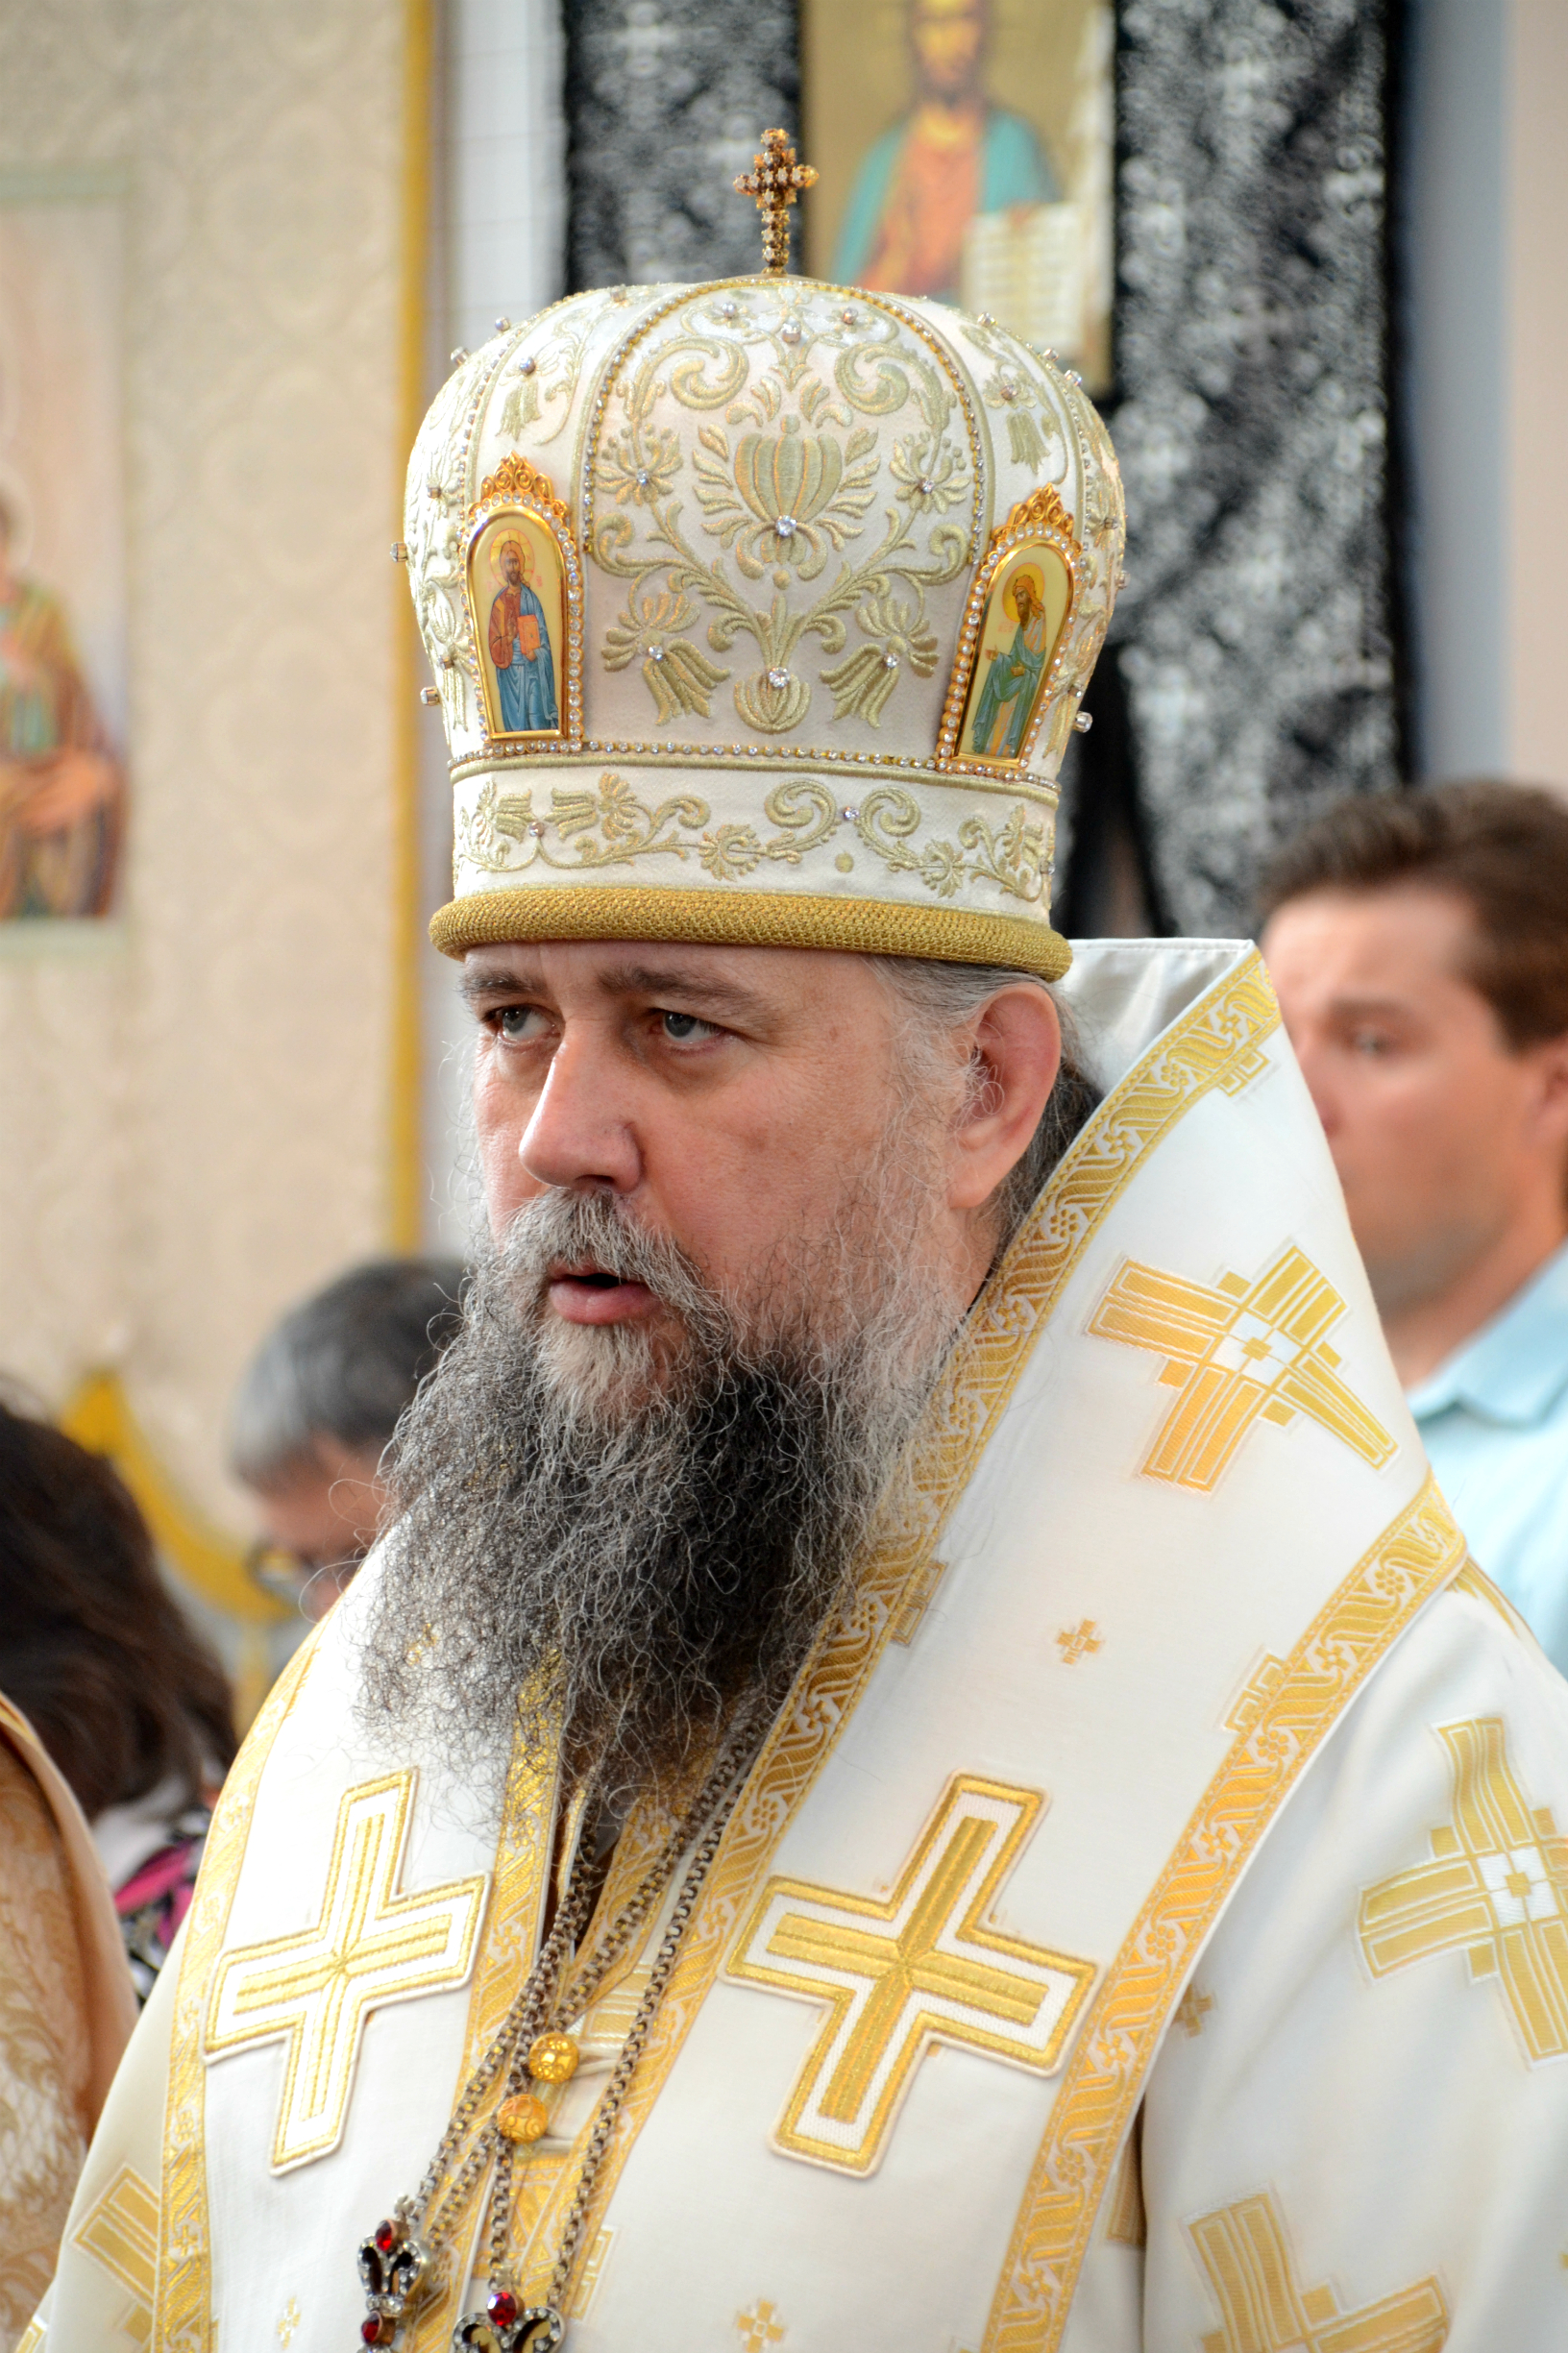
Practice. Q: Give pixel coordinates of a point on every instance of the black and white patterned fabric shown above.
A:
(1251, 355)
(665, 101)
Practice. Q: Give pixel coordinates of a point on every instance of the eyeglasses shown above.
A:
(310, 1586)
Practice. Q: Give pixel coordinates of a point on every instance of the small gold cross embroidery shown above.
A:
(1497, 1886)
(1243, 2250)
(759, 2327)
(1192, 2009)
(1242, 1353)
(370, 1946)
(1074, 1640)
(773, 179)
(288, 2321)
(919, 1968)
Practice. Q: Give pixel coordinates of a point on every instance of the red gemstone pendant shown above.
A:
(501, 2307)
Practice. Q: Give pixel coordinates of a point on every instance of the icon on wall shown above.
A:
(964, 153)
(63, 593)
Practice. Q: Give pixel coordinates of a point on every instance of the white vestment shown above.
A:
(1145, 1928)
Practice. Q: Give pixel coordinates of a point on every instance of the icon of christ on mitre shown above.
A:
(920, 1764)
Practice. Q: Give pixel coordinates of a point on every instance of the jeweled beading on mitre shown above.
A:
(835, 572)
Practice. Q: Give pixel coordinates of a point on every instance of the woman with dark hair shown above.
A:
(126, 1697)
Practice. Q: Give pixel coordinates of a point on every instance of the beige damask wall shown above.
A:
(195, 1102)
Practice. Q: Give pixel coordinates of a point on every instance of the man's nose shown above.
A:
(580, 1137)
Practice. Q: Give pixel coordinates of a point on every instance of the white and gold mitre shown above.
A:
(760, 613)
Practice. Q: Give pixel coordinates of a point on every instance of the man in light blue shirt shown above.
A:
(1418, 943)
(1494, 1419)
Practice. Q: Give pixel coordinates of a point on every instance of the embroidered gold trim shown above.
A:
(182, 2314)
(1413, 1559)
(748, 918)
(508, 1942)
(1217, 1043)
(373, 1943)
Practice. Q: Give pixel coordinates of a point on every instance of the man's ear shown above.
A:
(1016, 1046)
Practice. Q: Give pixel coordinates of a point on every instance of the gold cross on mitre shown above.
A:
(370, 1946)
(1244, 2251)
(919, 1967)
(1496, 1888)
(773, 179)
(1241, 1353)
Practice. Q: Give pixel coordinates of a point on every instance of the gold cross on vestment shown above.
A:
(773, 179)
(370, 1946)
(759, 2328)
(1239, 1354)
(916, 1967)
(120, 2231)
(1244, 2251)
(1496, 1888)
(1074, 1641)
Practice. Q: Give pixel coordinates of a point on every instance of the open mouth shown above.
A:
(590, 1294)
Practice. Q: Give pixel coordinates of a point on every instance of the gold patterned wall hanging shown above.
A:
(1495, 1889)
(919, 1966)
(370, 1946)
(525, 601)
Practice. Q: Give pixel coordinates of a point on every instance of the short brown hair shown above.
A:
(1501, 848)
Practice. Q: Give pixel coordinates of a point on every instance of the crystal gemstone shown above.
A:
(785, 527)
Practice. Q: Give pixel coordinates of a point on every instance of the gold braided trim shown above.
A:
(511, 1939)
(183, 2319)
(748, 918)
(1217, 1043)
(1415, 1557)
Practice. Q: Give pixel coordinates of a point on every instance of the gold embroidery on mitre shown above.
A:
(1243, 2250)
(1242, 1353)
(760, 2327)
(1496, 1887)
(120, 2231)
(918, 1967)
(32, 2338)
(370, 1946)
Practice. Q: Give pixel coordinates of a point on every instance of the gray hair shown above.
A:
(946, 995)
(344, 1365)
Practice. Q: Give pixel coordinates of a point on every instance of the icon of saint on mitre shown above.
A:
(520, 619)
(1025, 609)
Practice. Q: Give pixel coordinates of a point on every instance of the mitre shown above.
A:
(759, 613)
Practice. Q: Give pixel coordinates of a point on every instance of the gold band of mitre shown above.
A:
(748, 918)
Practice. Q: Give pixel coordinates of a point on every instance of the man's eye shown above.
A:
(1370, 1041)
(685, 1029)
(516, 1023)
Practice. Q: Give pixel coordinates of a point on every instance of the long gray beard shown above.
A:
(616, 1551)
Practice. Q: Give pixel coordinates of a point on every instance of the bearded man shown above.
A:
(919, 1765)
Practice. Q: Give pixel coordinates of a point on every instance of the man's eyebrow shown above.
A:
(680, 980)
(493, 980)
(1353, 1002)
